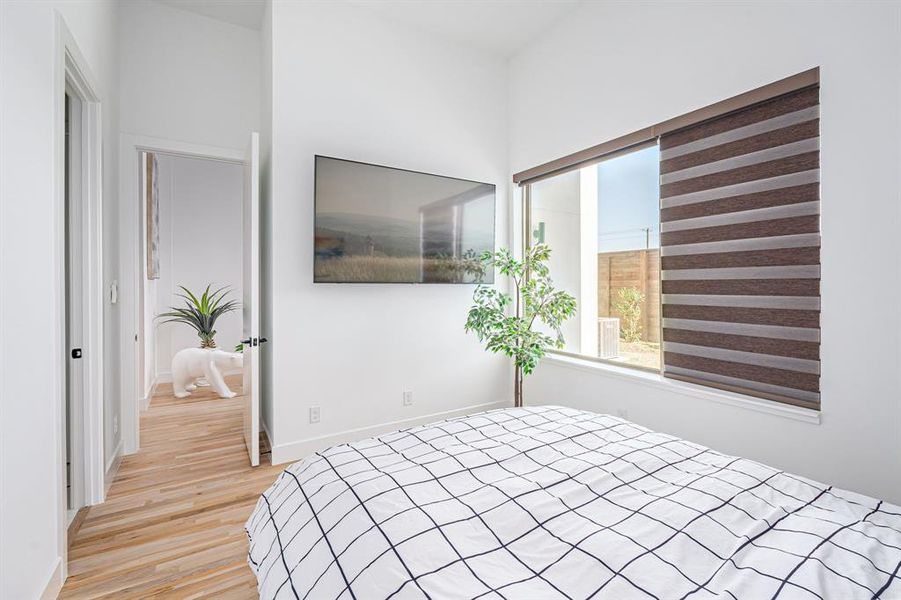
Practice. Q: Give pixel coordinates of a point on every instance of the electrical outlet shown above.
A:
(115, 425)
(408, 398)
(314, 414)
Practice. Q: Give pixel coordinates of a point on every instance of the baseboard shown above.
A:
(55, 583)
(76, 524)
(265, 430)
(294, 451)
(268, 447)
(145, 401)
(112, 468)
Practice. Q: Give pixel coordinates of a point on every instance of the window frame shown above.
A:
(527, 244)
(635, 141)
(585, 157)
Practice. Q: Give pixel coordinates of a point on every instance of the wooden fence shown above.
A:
(637, 269)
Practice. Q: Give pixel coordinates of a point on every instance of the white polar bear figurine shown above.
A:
(191, 363)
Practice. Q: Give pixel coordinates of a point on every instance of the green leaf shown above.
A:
(201, 313)
(538, 302)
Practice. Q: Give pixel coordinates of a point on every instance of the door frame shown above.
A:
(131, 239)
(72, 74)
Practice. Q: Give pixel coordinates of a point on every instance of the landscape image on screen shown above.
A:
(381, 225)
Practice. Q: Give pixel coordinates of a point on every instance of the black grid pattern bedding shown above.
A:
(550, 502)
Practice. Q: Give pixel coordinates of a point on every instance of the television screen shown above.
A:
(382, 225)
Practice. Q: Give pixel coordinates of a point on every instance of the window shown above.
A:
(693, 246)
(603, 225)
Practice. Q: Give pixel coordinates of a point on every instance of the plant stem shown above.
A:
(517, 387)
(517, 372)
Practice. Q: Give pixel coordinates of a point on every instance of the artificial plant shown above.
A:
(534, 299)
(202, 312)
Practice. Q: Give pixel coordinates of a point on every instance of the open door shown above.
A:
(251, 300)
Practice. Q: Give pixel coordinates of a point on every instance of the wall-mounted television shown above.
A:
(376, 224)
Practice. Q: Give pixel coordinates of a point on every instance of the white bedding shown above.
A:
(550, 502)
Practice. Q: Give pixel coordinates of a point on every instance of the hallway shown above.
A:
(173, 522)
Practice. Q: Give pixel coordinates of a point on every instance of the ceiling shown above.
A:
(247, 13)
(502, 27)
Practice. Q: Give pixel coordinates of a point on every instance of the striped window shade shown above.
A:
(740, 250)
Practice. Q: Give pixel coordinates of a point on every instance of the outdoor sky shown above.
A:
(629, 201)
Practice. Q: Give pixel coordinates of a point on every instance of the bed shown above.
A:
(551, 502)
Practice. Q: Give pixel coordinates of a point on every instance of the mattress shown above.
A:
(552, 502)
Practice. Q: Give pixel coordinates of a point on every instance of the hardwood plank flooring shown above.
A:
(173, 522)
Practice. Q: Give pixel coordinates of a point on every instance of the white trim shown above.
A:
(55, 582)
(92, 127)
(145, 401)
(112, 467)
(113, 459)
(266, 429)
(268, 437)
(150, 143)
(293, 451)
(659, 382)
(70, 66)
(130, 238)
(59, 283)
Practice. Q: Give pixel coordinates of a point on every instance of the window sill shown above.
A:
(658, 381)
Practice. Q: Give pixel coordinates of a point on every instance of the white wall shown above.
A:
(557, 202)
(609, 69)
(350, 85)
(188, 77)
(30, 469)
(568, 207)
(200, 244)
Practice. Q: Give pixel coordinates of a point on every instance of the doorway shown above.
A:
(78, 248)
(134, 354)
(192, 225)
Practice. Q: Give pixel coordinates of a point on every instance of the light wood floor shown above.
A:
(173, 522)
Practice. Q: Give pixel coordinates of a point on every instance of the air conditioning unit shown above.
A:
(608, 337)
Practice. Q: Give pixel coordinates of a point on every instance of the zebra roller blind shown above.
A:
(740, 250)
